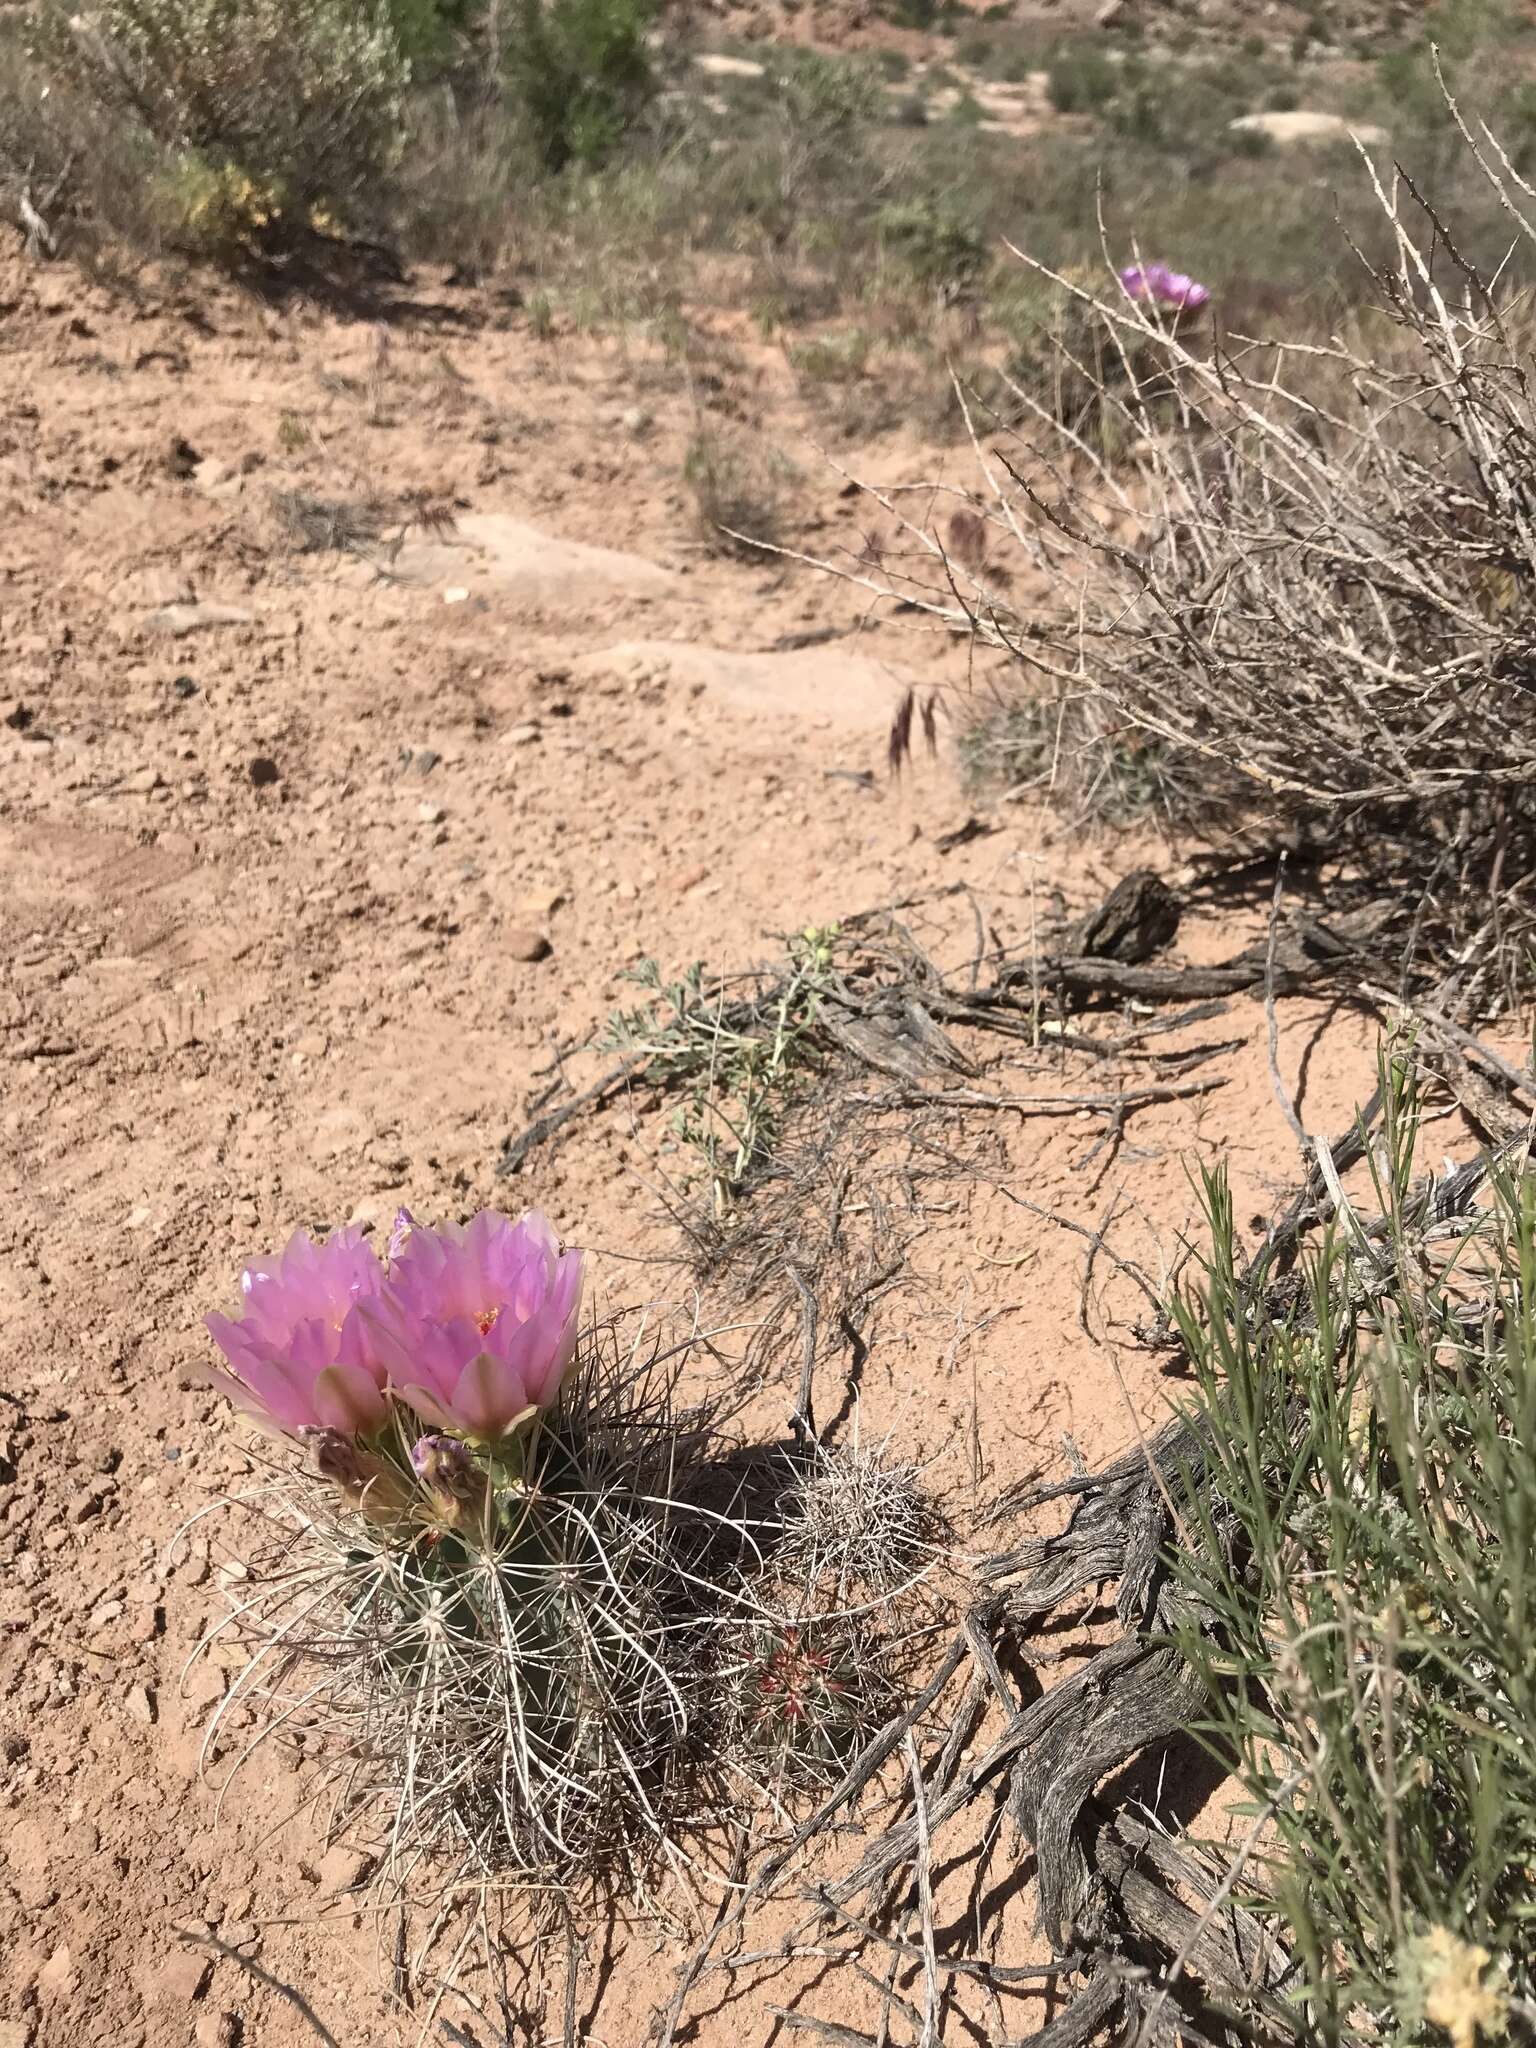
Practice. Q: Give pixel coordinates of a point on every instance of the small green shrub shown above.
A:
(1363, 1546)
(825, 112)
(827, 97)
(1081, 79)
(580, 72)
(262, 111)
(833, 358)
(928, 16)
(737, 1070)
(936, 245)
(431, 32)
(1475, 43)
(1063, 751)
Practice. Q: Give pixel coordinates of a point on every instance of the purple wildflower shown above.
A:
(1171, 290)
(301, 1356)
(478, 1325)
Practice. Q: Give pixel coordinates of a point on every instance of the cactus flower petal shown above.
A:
(300, 1355)
(474, 1329)
(478, 1325)
(347, 1398)
(491, 1397)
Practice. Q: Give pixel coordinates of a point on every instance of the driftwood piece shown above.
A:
(1305, 954)
(895, 1017)
(1139, 917)
(1116, 1534)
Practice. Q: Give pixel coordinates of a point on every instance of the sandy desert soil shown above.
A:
(279, 831)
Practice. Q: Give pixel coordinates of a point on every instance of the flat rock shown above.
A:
(342, 1869)
(1296, 126)
(822, 683)
(156, 585)
(493, 554)
(181, 1978)
(58, 1973)
(178, 620)
(716, 65)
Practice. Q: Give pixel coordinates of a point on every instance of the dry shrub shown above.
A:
(1302, 600)
(64, 166)
(460, 189)
(737, 490)
(258, 126)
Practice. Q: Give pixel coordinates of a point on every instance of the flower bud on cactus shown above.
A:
(369, 1484)
(454, 1486)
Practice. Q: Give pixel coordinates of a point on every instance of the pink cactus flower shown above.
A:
(477, 1326)
(301, 1356)
(1155, 284)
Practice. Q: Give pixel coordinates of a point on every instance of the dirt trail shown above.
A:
(273, 877)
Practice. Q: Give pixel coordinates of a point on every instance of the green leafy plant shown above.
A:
(737, 1065)
(580, 72)
(264, 112)
(1363, 1552)
(937, 245)
(430, 32)
(1082, 79)
(833, 358)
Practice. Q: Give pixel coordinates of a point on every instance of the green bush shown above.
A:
(928, 16)
(1475, 41)
(261, 110)
(1081, 80)
(1363, 1546)
(431, 31)
(833, 358)
(826, 98)
(936, 245)
(580, 72)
